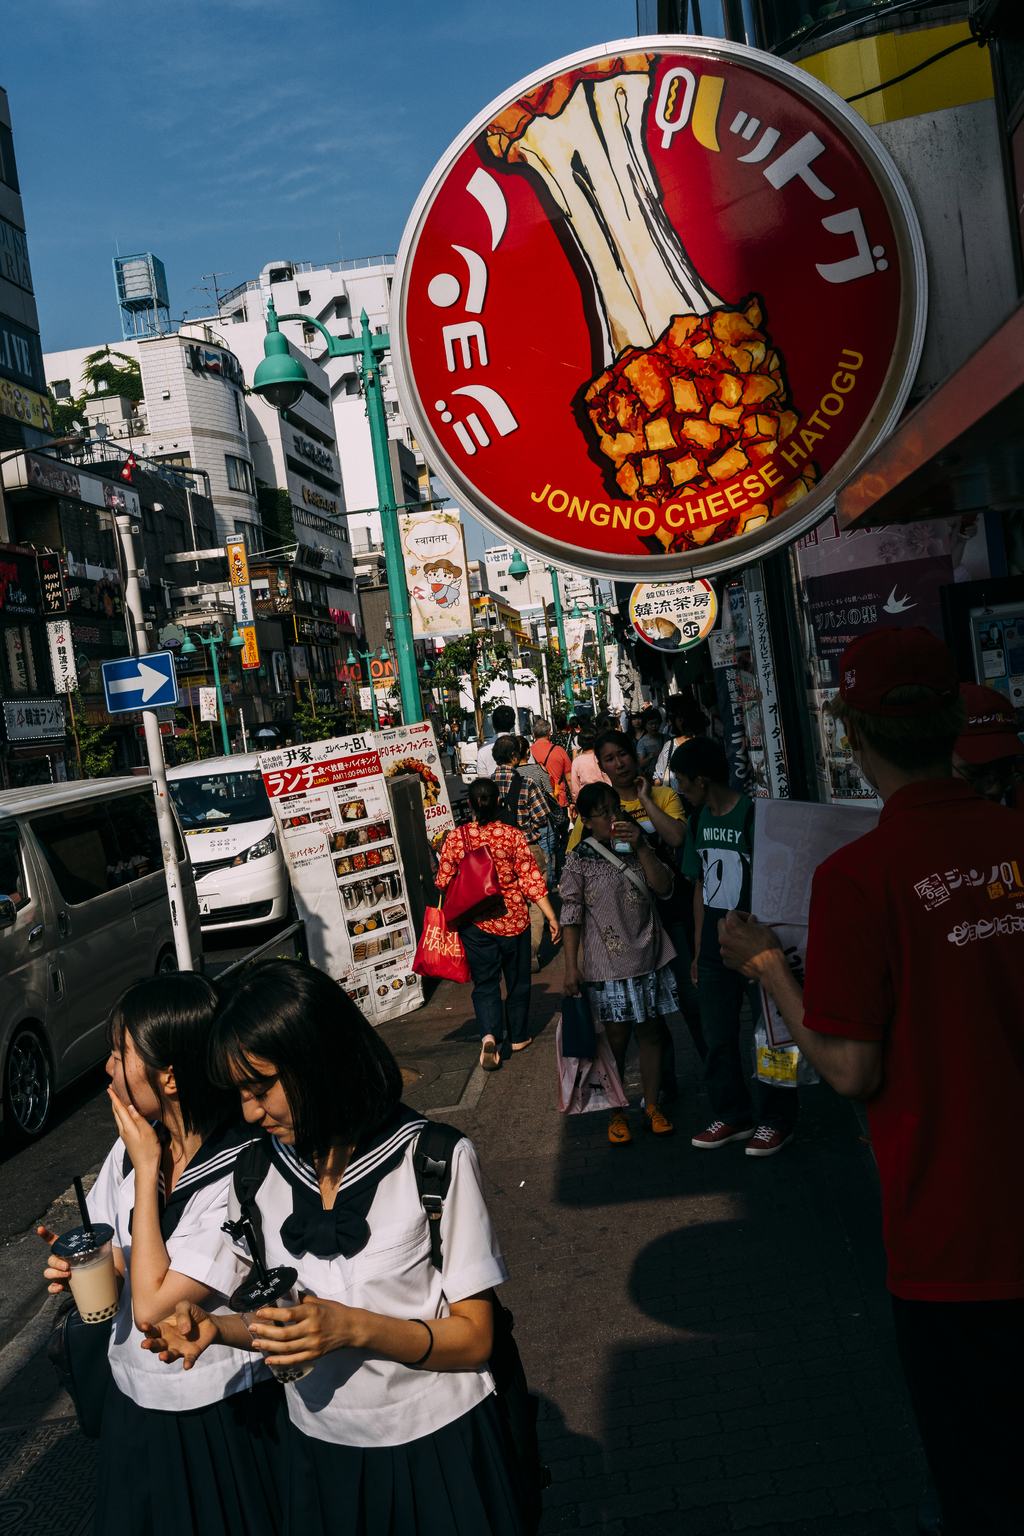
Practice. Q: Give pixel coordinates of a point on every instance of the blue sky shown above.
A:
(228, 133)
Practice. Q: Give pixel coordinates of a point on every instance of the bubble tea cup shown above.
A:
(272, 1288)
(93, 1279)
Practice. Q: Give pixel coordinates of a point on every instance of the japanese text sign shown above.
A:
(656, 307)
(62, 656)
(673, 615)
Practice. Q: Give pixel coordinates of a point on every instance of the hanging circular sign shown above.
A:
(673, 615)
(656, 304)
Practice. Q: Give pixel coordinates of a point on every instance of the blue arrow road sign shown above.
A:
(139, 682)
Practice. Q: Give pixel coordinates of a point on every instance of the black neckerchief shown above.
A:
(343, 1229)
(215, 1158)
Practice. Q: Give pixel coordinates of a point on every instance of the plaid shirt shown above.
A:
(532, 811)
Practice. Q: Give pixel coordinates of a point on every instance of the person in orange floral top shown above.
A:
(500, 946)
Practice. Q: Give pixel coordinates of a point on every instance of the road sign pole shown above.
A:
(155, 753)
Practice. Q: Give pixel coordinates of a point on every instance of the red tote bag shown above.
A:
(474, 896)
(439, 951)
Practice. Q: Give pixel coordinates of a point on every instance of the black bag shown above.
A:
(517, 1405)
(557, 814)
(78, 1353)
(508, 805)
(579, 1038)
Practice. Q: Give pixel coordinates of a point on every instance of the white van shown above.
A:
(237, 860)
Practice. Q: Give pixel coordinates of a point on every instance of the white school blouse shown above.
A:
(352, 1396)
(220, 1371)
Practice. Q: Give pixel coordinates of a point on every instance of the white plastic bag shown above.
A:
(588, 1085)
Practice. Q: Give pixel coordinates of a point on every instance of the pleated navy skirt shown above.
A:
(455, 1482)
(214, 1471)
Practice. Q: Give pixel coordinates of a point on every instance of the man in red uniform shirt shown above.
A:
(912, 1000)
(988, 753)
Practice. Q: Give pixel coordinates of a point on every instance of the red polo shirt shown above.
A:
(916, 939)
(558, 764)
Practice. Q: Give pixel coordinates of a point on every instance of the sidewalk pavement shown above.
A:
(709, 1333)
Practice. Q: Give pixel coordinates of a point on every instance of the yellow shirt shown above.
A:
(664, 798)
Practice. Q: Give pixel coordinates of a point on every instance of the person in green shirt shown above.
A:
(717, 858)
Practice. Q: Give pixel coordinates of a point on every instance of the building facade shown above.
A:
(24, 413)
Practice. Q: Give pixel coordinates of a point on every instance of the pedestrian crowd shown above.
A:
(910, 998)
(307, 1337)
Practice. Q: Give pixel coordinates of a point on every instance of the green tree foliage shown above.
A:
(103, 376)
(90, 744)
(319, 724)
(276, 510)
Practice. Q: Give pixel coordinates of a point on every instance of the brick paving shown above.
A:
(709, 1333)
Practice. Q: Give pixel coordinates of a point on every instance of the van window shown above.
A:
(81, 849)
(221, 799)
(12, 869)
(138, 835)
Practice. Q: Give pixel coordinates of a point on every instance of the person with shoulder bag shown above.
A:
(616, 949)
(498, 945)
(202, 1453)
(396, 1426)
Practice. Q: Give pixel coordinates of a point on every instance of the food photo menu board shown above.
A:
(334, 815)
(413, 749)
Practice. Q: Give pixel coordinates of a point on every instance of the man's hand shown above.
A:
(748, 946)
(571, 981)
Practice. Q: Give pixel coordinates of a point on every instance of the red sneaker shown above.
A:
(718, 1133)
(766, 1141)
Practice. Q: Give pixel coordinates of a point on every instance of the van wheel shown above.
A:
(28, 1085)
(168, 962)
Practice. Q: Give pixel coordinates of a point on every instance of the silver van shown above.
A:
(83, 913)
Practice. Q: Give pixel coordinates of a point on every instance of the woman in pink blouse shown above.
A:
(502, 944)
(616, 951)
(585, 767)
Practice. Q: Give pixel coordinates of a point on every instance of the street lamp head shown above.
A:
(280, 379)
(385, 655)
(236, 642)
(187, 648)
(350, 660)
(576, 611)
(519, 569)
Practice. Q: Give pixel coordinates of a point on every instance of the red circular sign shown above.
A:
(656, 306)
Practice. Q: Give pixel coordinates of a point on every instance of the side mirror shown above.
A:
(8, 913)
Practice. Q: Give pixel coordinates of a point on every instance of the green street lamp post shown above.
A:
(280, 379)
(368, 657)
(596, 609)
(564, 649)
(236, 643)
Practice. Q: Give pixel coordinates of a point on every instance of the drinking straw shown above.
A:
(83, 1208)
(255, 1249)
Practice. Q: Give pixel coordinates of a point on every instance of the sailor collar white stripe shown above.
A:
(355, 1170)
(220, 1161)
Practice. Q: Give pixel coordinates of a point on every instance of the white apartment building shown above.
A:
(335, 294)
(533, 595)
(193, 415)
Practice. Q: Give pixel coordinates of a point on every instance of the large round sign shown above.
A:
(655, 306)
(673, 615)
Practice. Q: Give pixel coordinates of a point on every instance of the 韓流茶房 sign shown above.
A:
(656, 304)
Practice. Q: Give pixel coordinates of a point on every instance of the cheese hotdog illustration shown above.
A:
(693, 390)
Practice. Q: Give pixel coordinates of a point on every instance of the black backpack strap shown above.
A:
(126, 1164)
(251, 1167)
(748, 825)
(432, 1161)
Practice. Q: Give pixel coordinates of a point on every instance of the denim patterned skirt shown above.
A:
(638, 997)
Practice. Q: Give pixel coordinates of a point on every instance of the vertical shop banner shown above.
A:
(62, 656)
(722, 648)
(241, 590)
(413, 749)
(51, 583)
(791, 838)
(251, 653)
(334, 814)
(768, 699)
(208, 705)
(436, 573)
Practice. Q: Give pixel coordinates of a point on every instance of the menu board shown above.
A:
(333, 812)
(413, 749)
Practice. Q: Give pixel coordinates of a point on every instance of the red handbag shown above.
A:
(474, 896)
(439, 951)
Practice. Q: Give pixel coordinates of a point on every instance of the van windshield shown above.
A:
(220, 799)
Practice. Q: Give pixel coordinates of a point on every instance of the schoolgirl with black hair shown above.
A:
(396, 1429)
(199, 1453)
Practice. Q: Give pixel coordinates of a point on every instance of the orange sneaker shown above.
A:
(655, 1121)
(619, 1133)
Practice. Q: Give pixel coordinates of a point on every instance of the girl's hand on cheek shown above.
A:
(140, 1138)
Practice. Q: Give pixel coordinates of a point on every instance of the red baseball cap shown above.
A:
(890, 657)
(991, 726)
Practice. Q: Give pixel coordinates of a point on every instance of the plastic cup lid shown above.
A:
(80, 1241)
(256, 1293)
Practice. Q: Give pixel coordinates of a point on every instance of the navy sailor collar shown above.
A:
(343, 1230)
(211, 1162)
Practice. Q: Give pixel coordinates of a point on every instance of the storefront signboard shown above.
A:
(656, 304)
(62, 655)
(251, 653)
(413, 749)
(25, 405)
(51, 583)
(673, 615)
(434, 549)
(334, 815)
(37, 720)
